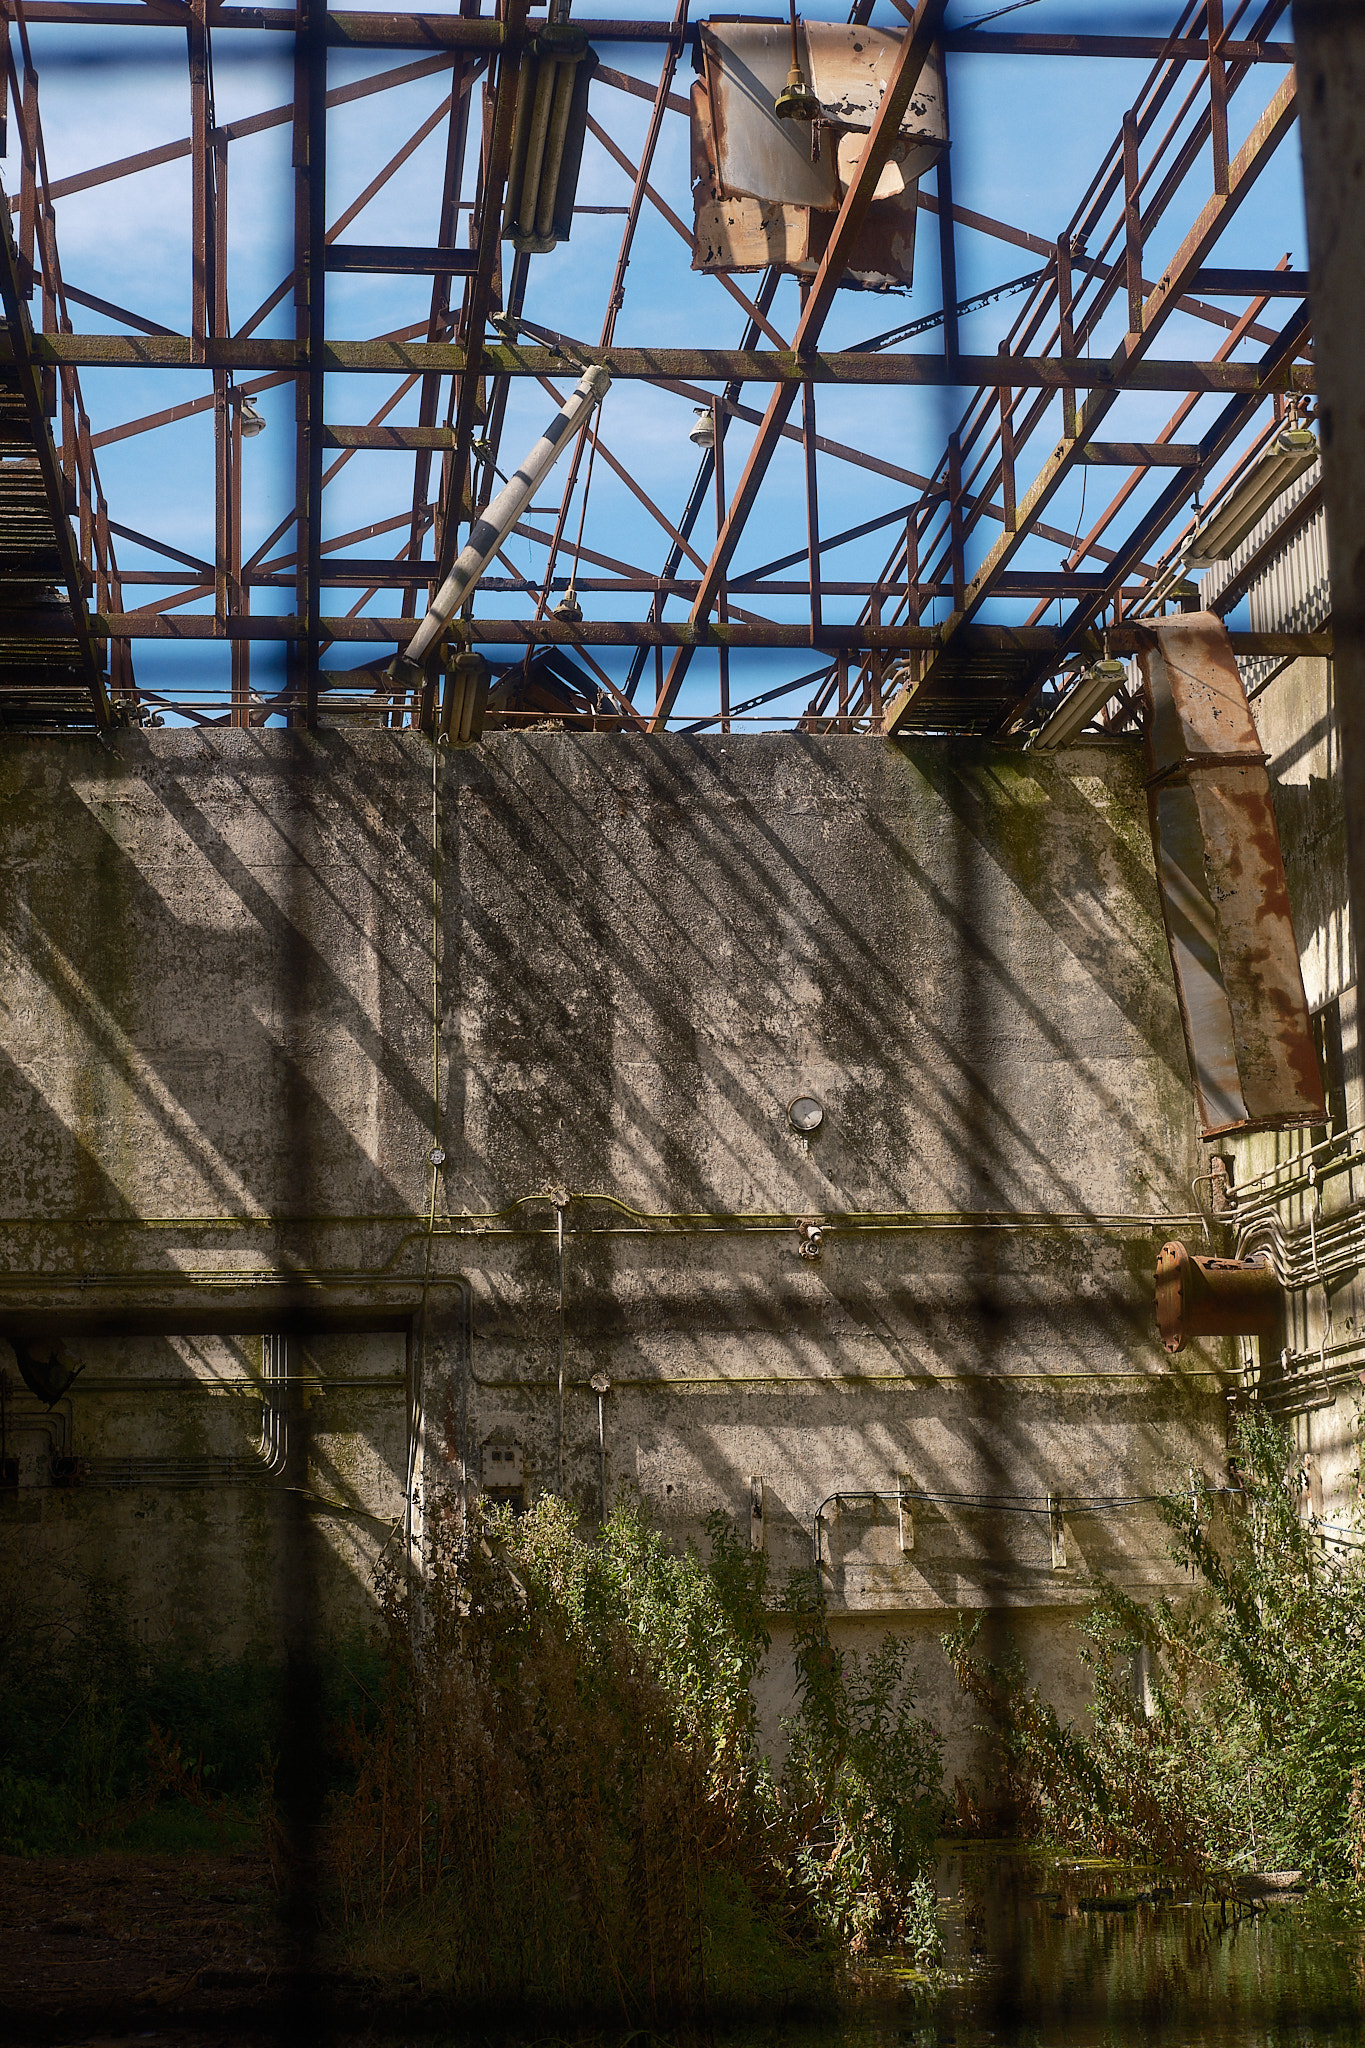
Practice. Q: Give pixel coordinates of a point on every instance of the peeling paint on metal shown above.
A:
(767, 190)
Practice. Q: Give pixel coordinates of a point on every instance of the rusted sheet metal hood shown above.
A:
(768, 190)
(1223, 892)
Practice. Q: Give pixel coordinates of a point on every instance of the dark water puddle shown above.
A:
(1046, 1953)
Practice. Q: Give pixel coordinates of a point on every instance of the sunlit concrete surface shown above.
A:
(255, 980)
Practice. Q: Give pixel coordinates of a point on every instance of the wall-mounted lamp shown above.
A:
(805, 1114)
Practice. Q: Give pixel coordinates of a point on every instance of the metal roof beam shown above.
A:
(444, 31)
(656, 365)
(1148, 317)
(489, 632)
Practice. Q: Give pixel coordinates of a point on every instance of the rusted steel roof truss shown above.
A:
(955, 542)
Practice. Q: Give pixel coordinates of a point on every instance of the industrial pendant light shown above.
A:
(703, 428)
(1293, 450)
(796, 101)
(251, 421)
(1087, 695)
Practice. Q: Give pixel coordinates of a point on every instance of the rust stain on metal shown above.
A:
(849, 64)
(767, 191)
(1209, 1297)
(730, 230)
(1223, 890)
(759, 156)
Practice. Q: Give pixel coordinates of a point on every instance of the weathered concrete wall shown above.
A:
(230, 959)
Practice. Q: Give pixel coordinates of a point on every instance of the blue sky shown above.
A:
(1027, 133)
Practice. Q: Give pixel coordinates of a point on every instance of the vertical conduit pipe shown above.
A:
(561, 1203)
(601, 1386)
(535, 147)
(565, 82)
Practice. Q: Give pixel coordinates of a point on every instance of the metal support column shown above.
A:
(1329, 37)
(310, 234)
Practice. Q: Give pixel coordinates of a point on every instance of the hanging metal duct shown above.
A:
(1223, 893)
(547, 139)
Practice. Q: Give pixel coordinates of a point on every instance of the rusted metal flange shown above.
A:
(1207, 1297)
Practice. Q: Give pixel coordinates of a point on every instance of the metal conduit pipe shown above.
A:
(565, 79)
(1310, 1254)
(535, 146)
(521, 125)
(267, 1460)
(547, 139)
(180, 1473)
(465, 1222)
(1244, 1215)
(55, 1427)
(913, 1382)
(1310, 1379)
(273, 1448)
(720, 1223)
(1302, 1170)
(245, 1389)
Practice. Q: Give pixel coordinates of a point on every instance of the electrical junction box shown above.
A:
(502, 1472)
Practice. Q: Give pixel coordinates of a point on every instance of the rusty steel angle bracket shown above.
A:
(1224, 899)
(27, 375)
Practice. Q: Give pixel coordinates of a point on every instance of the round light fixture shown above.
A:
(252, 422)
(805, 1114)
(703, 428)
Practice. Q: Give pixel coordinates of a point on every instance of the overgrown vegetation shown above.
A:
(545, 1783)
(566, 1803)
(1248, 1750)
(103, 1739)
(861, 1787)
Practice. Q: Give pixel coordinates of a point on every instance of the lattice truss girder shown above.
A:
(973, 584)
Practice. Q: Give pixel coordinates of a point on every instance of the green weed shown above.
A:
(565, 1803)
(1248, 1751)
